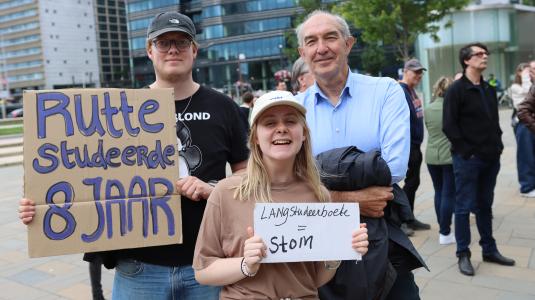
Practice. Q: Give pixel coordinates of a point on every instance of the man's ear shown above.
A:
(194, 49)
(301, 52)
(149, 52)
(350, 41)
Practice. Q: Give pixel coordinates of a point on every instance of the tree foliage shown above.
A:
(397, 23)
(373, 59)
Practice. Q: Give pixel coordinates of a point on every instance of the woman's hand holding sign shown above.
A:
(360, 239)
(254, 250)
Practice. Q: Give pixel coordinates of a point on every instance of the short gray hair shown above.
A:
(342, 25)
(298, 69)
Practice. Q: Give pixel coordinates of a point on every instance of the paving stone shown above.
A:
(443, 290)
(523, 286)
(77, 292)
(515, 296)
(14, 290)
(437, 265)
(55, 267)
(30, 277)
(514, 272)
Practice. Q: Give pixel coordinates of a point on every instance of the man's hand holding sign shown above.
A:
(100, 166)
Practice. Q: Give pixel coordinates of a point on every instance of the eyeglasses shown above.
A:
(480, 54)
(164, 45)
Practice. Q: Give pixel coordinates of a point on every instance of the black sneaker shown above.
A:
(417, 225)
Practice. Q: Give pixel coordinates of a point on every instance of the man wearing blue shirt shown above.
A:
(345, 109)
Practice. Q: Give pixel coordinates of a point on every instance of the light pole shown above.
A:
(241, 57)
(280, 55)
(4, 95)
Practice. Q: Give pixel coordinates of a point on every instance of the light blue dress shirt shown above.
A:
(372, 114)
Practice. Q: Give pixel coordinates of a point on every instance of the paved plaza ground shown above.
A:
(67, 277)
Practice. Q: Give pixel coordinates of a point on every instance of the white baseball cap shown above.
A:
(273, 99)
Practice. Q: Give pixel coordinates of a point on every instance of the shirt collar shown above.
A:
(320, 96)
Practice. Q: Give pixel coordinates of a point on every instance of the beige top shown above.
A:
(224, 230)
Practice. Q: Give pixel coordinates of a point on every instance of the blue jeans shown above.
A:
(475, 180)
(137, 280)
(525, 158)
(444, 184)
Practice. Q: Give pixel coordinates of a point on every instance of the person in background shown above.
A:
(439, 164)
(281, 86)
(412, 75)
(471, 123)
(526, 110)
(495, 83)
(245, 108)
(525, 140)
(281, 169)
(301, 76)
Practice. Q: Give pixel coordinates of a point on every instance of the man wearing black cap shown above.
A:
(412, 75)
(209, 136)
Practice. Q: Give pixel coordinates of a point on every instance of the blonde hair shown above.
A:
(256, 184)
(518, 71)
(440, 87)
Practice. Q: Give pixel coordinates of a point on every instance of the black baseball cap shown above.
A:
(170, 22)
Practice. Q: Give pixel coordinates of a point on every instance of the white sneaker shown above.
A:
(530, 194)
(446, 239)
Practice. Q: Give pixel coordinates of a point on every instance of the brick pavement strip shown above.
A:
(66, 277)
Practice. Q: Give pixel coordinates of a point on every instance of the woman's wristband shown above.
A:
(245, 269)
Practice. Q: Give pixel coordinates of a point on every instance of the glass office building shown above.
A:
(240, 41)
(506, 29)
(243, 41)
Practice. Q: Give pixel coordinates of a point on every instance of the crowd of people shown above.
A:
(272, 152)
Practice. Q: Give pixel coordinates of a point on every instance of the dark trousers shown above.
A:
(95, 274)
(475, 180)
(525, 157)
(412, 180)
(444, 185)
(404, 287)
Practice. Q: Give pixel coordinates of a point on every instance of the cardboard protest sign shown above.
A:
(296, 232)
(101, 165)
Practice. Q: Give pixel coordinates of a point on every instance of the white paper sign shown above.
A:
(296, 232)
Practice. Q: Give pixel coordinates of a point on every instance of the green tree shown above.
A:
(397, 23)
(373, 59)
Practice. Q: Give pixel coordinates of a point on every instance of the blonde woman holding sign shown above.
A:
(281, 169)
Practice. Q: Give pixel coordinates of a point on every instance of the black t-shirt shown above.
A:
(211, 132)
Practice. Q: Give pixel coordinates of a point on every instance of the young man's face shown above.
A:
(324, 49)
(478, 59)
(177, 60)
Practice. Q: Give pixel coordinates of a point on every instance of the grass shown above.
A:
(11, 130)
